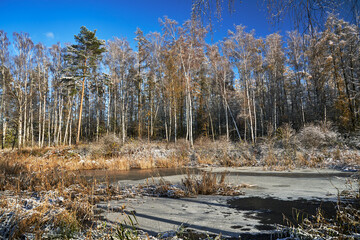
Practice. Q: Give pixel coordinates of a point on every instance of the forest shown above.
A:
(175, 135)
(175, 85)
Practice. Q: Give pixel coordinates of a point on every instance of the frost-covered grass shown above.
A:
(42, 200)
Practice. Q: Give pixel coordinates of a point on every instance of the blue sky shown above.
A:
(51, 21)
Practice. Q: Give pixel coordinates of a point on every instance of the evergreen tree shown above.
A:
(86, 54)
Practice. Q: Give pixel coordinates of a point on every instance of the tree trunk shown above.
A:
(20, 124)
(39, 119)
(55, 121)
(170, 122)
(43, 122)
(97, 121)
(109, 110)
(175, 124)
(212, 127)
(191, 137)
(166, 126)
(232, 116)
(151, 117)
(32, 127)
(58, 140)
(123, 120)
(249, 111)
(81, 105)
(70, 132)
(66, 134)
(49, 126)
(24, 120)
(3, 109)
(255, 118)
(4, 134)
(227, 121)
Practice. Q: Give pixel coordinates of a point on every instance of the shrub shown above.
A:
(108, 146)
(315, 136)
(286, 136)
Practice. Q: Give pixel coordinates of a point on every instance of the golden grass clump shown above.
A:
(209, 183)
(171, 162)
(206, 183)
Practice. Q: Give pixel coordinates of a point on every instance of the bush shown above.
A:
(286, 136)
(108, 146)
(316, 136)
(353, 140)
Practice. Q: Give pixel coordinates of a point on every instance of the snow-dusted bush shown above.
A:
(285, 136)
(315, 136)
(353, 140)
(110, 141)
(108, 145)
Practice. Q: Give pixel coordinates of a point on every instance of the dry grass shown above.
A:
(210, 184)
(172, 162)
(315, 146)
(206, 183)
(41, 198)
(39, 214)
(72, 159)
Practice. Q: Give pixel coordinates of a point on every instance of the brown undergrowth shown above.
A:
(314, 146)
(38, 200)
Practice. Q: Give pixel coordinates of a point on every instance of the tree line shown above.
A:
(175, 85)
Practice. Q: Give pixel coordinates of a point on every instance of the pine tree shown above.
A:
(86, 54)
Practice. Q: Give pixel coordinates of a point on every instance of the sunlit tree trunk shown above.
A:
(67, 125)
(81, 104)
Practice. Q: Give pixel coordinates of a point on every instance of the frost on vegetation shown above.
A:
(313, 136)
(109, 145)
(32, 214)
(353, 140)
(312, 146)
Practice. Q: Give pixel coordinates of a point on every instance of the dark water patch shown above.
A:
(237, 227)
(274, 211)
(261, 236)
(98, 211)
(265, 227)
(113, 176)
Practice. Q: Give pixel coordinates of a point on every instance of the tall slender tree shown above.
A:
(86, 53)
(4, 69)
